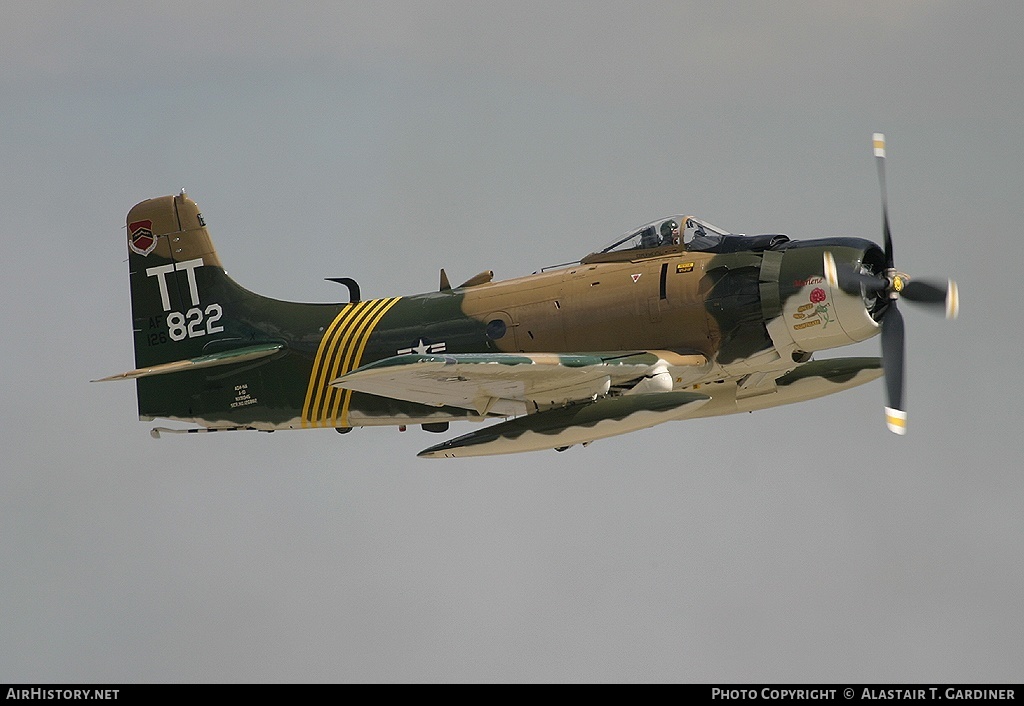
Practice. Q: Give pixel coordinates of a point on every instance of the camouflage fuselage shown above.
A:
(751, 312)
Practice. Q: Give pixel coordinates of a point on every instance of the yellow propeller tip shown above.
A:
(896, 420)
(879, 142)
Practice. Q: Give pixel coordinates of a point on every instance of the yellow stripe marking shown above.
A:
(349, 331)
(335, 351)
(324, 392)
(316, 361)
(359, 360)
(343, 359)
(314, 390)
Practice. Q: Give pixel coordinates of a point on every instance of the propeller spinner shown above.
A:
(891, 285)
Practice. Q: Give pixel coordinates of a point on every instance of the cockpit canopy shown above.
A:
(664, 231)
(677, 234)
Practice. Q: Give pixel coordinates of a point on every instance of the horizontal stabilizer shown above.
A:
(236, 355)
(575, 424)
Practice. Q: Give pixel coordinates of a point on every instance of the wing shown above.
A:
(564, 399)
(558, 399)
(561, 427)
(509, 384)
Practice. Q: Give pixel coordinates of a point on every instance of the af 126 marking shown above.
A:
(195, 322)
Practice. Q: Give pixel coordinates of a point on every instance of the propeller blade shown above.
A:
(896, 286)
(879, 143)
(849, 279)
(893, 351)
(934, 295)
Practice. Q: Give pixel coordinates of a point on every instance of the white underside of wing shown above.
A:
(503, 384)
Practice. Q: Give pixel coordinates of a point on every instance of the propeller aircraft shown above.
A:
(675, 320)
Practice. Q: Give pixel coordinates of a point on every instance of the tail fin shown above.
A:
(189, 316)
(210, 352)
(176, 280)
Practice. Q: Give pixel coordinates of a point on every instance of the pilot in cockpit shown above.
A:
(669, 233)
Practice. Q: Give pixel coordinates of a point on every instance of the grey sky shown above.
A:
(383, 141)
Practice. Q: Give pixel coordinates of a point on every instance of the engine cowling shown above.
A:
(816, 316)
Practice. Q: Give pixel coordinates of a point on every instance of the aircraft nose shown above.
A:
(815, 313)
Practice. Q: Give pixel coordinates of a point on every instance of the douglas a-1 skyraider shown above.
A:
(675, 320)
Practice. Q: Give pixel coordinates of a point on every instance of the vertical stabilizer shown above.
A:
(177, 281)
(202, 342)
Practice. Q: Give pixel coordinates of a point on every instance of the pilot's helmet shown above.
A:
(669, 229)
